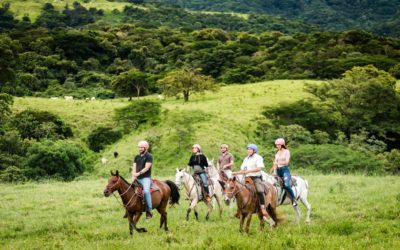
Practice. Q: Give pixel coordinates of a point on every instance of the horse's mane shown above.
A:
(125, 180)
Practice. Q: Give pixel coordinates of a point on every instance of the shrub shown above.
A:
(330, 158)
(393, 158)
(34, 124)
(12, 174)
(49, 159)
(102, 136)
(137, 113)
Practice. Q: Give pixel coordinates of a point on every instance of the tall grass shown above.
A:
(349, 212)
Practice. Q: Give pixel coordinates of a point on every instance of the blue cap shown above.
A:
(253, 146)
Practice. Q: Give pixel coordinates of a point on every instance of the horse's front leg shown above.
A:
(136, 219)
(248, 217)
(242, 217)
(132, 224)
(210, 208)
(262, 222)
(192, 205)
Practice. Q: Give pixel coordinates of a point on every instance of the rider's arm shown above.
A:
(147, 166)
(134, 175)
(254, 170)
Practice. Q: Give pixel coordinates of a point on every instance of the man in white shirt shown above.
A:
(251, 167)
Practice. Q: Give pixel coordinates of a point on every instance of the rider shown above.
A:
(281, 165)
(199, 163)
(251, 167)
(141, 170)
(225, 161)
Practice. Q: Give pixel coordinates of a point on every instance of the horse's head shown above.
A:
(113, 183)
(230, 190)
(179, 177)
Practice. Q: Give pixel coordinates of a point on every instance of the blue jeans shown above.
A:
(204, 178)
(285, 173)
(146, 182)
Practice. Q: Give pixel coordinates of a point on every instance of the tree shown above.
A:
(6, 101)
(186, 81)
(8, 57)
(365, 98)
(131, 82)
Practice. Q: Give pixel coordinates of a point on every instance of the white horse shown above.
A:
(192, 192)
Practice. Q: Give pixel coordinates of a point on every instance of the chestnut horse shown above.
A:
(247, 202)
(133, 200)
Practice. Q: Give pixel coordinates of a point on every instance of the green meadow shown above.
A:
(22, 8)
(348, 212)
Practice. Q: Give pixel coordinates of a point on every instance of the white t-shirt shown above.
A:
(253, 162)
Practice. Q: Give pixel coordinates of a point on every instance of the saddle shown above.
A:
(201, 193)
(281, 191)
(153, 187)
(293, 182)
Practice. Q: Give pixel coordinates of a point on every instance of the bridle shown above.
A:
(120, 195)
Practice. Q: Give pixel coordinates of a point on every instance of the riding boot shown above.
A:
(207, 192)
(149, 215)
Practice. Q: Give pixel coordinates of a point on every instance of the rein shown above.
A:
(120, 195)
(243, 186)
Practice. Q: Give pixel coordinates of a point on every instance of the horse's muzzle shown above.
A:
(106, 193)
(227, 200)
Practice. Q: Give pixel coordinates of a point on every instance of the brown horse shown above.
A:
(133, 200)
(247, 202)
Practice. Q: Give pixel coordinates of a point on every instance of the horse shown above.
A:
(300, 190)
(133, 201)
(248, 203)
(192, 192)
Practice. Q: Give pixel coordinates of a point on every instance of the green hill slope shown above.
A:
(379, 16)
(226, 116)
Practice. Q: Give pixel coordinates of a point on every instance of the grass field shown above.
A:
(348, 212)
(32, 8)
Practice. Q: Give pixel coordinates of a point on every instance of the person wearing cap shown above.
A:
(251, 167)
(225, 161)
(198, 162)
(281, 166)
(141, 171)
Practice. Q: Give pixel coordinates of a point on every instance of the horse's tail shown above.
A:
(174, 192)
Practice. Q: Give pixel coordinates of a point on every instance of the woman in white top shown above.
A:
(281, 165)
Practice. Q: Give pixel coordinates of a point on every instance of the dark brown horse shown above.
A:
(247, 202)
(133, 200)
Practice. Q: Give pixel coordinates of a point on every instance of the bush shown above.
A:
(12, 174)
(330, 158)
(393, 158)
(137, 113)
(102, 136)
(34, 124)
(60, 159)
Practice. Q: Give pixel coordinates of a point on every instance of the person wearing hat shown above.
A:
(281, 166)
(251, 167)
(198, 162)
(225, 161)
(141, 170)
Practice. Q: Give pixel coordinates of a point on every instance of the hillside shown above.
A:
(226, 116)
(381, 17)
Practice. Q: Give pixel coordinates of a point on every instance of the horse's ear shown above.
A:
(111, 172)
(234, 178)
(177, 170)
(117, 174)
